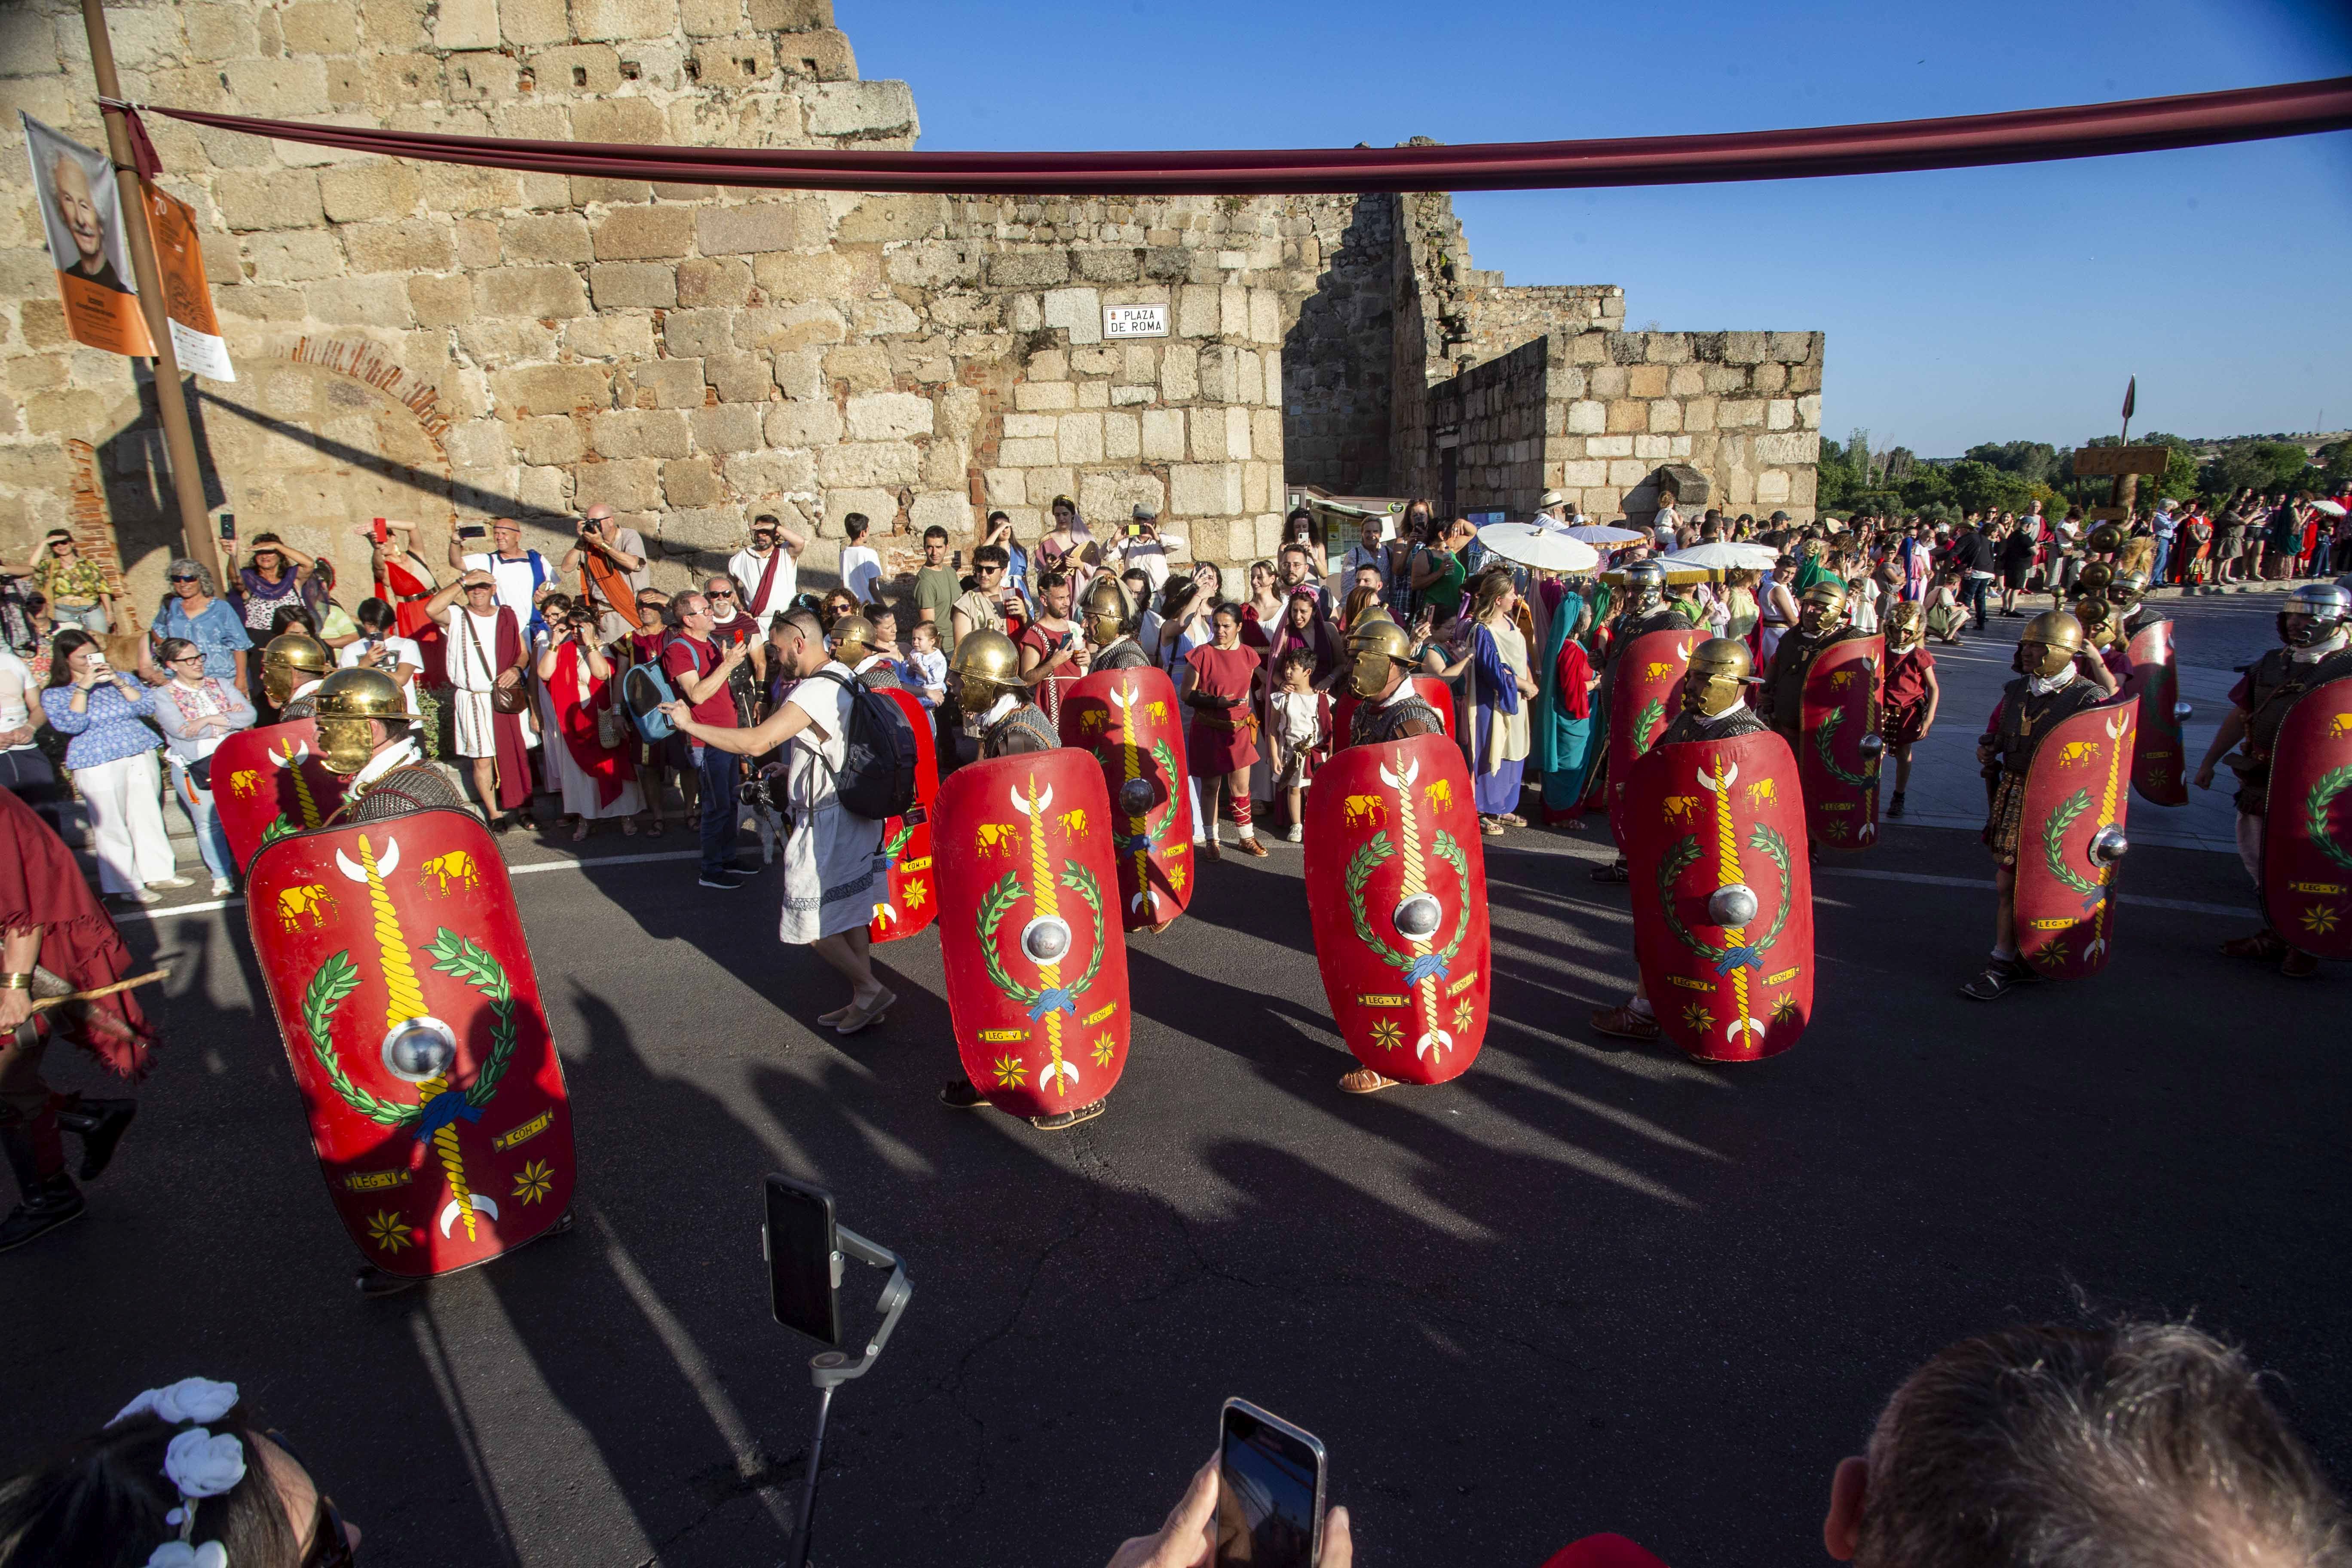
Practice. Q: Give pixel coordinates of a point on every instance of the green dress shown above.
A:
(1565, 749)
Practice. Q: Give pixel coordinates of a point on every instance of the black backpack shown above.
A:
(876, 779)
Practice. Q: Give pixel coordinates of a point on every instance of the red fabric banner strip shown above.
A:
(2087, 131)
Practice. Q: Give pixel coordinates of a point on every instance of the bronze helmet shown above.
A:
(1645, 584)
(2096, 577)
(852, 639)
(1906, 626)
(1719, 674)
(1376, 648)
(1822, 608)
(292, 659)
(347, 707)
(1106, 610)
(2323, 609)
(2049, 644)
(2127, 590)
(985, 666)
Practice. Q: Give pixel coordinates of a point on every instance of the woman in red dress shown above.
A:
(1221, 741)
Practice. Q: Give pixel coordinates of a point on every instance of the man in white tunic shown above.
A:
(832, 861)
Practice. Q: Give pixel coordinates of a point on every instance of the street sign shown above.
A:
(2121, 460)
(1135, 320)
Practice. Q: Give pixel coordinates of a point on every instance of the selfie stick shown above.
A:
(831, 1369)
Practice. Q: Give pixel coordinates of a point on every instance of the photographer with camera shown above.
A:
(1147, 547)
(610, 562)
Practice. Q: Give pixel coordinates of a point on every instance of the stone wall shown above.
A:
(1743, 408)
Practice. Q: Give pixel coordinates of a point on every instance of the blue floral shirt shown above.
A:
(107, 730)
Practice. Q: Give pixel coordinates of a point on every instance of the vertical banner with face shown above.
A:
(83, 220)
(187, 298)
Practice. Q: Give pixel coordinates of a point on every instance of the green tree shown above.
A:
(2257, 465)
(1983, 487)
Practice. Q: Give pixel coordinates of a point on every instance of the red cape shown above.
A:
(41, 885)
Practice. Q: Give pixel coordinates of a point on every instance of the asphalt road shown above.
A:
(1582, 1287)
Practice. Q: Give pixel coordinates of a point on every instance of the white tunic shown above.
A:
(833, 861)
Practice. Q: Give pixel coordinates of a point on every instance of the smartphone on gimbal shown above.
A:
(1270, 1479)
(803, 1246)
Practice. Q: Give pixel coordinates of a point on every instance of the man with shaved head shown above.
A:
(78, 210)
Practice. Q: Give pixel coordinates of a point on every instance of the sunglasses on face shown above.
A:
(184, 579)
(721, 594)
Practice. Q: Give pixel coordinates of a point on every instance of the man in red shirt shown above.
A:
(699, 671)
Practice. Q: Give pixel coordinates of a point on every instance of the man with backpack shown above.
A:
(851, 752)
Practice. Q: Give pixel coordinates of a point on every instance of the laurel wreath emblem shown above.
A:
(2316, 806)
(1368, 859)
(1766, 841)
(1824, 738)
(452, 954)
(998, 903)
(2054, 836)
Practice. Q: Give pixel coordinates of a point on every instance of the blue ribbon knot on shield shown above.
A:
(1135, 844)
(442, 1110)
(1428, 966)
(1743, 957)
(1057, 1000)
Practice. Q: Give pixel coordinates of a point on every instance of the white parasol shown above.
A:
(2329, 507)
(1726, 555)
(1601, 533)
(1532, 544)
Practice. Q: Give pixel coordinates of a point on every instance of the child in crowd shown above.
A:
(1299, 727)
(925, 669)
(1909, 695)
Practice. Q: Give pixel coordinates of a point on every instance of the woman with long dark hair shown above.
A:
(112, 755)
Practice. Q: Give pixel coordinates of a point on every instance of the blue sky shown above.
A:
(1964, 306)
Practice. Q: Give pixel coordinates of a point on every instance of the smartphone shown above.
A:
(228, 525)
(1269, 1490)
(1135, 530)
(802, 1248)
(472, 531)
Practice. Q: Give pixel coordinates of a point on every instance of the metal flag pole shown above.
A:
(831, 1369)
(178, 435)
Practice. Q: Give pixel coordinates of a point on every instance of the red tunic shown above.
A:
(41, 885)
(1222, 741)
(1903, 711)
(611, 770)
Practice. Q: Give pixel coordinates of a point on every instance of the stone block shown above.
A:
(622, 336)
(1653, 448)
(323, 27)
(536, 22)
(1005, 486)
(814, 423)
(710, 18)
(252, 301)
(728, 427)
(1629, 414)
(630, 484)
(452, 189)
(1585, 472)
(1041, 395)
(739, 378)
(869, 463)
(879, 219)
(1666, 348)
(630, 119)
(887, 317)
(859, 367)
(1077, 310)
(1790, 447)
(1110, 265)
(378, 188)
(888, 416)
(1028, 269)
(553, 388)
(1163, 434)
(1030, 426)
(1132, 396)
(1609, 446)
(1048, 364)
(633, 284)
(1698, 414)
(1028, 452)
(860, 109)
(279, 88)
(214, 33)
(1740, 414)
(640, 433)
(1665, 416)
(1587, 418)
(1772, 487)
(372, 301)
(1645, 380)
(285, 198)
(547, 236)
(1080, 437)
(1197, 310)
(549, 438)
(441, 301)
(1608, 380)
(1122, 438)
(286, 256)
(1768, 377)
(1793, 348)
(641, 233)
(407, 245)
(1205, 489)
(618, 19)
(1809, 415)
(539, 292)
(1627, 472)
(1780, 413)
(796, 225)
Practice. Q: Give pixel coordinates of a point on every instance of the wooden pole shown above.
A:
(178, 435)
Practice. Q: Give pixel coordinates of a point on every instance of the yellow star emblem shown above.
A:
(533, 1181)
(1784, 1009)
(1010, 1072)
(1387, 1033)
(1465, 1013)
(1176, 876)
(1104, 1048)
(917, 895)
(389, 1231)
(1698, 1017)
(2319, 919)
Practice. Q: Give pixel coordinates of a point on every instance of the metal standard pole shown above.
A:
(179, 435)
(808, 1490)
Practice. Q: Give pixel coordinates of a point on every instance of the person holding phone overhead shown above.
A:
(767, 567)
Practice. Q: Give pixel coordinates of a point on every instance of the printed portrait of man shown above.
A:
(78, 199)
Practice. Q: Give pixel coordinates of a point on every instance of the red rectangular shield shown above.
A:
(2307, 832)
(1839, 759)
(1396, 889)
(911, 899)
(1643, 683)
(1036, 959)
(405, 991)
(2159, 769)
(270, 782)
(1432, 690)
(1128, 719)
(2077, 787)
(1702, 816)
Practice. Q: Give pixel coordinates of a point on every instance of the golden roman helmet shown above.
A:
(2127, 590)
(1718, 677)
(1905, 628)
(1377, 648)
(291, 660)
(985, 666)
(1822, 608)
(1106, 610)
(2050, 643)
(853, 638)
(347, 705)
(2107, 538)
(2096, 577)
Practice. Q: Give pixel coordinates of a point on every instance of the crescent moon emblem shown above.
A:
(481, 1206)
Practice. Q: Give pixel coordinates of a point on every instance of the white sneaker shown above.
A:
(223, 887)
(141, 896)
(1297, 834)
(173, 883)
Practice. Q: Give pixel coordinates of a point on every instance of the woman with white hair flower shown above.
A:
(183, 1476)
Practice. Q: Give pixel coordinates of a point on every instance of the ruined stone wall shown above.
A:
(1743, 408)
(1337, 369)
